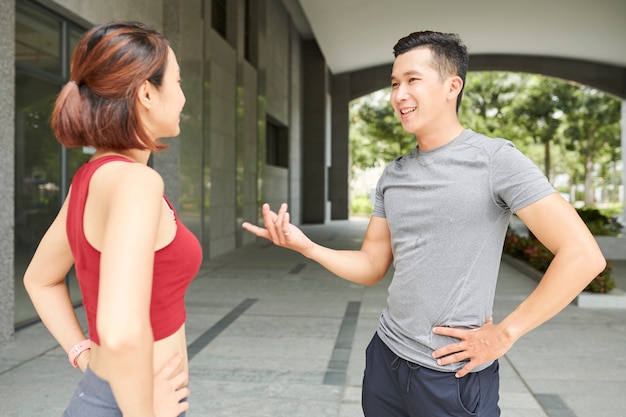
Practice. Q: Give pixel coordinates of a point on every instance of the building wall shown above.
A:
(295, 128)
(214, 171)
(94, 12)
(277, 70)
(221, 116)
(181, 164)
(7, 160)
(220, 136)
(248, 151)
(277, 62)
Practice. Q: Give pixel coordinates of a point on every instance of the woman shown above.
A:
(133, 257)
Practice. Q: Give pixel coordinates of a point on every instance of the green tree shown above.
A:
(487, 99)
(592, 131)
(376, 135)
(538, 111)
(571, 128)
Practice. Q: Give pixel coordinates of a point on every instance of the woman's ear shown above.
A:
(145, 94)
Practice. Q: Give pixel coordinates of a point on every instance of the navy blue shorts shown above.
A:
(394, 387)
(93, 397)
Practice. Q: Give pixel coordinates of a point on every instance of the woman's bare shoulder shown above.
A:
(120, 177)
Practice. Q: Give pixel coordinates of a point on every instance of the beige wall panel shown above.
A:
(146, 11)
(7, 160)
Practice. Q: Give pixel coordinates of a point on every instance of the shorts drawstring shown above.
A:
(411, 366)
(395, 364)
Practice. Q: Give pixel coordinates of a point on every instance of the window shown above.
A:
(43, 41)
(37, 39)
(249, 32)
(277, 144)
(218, 16)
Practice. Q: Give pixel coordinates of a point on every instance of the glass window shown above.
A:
(247, 33)
(277, 144)
(218, 16)
(37, 169)
(42, 166)
(74, 36)
(37, 39)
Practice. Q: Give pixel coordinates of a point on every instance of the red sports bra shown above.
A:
(175, 265)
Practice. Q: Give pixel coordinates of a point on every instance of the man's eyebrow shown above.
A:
(407, 73)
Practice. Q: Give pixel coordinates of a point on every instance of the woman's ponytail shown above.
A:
(67, 120)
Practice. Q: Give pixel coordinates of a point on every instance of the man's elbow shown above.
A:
(593, 260)
(598, 263)
(375, 279)
(371, 283)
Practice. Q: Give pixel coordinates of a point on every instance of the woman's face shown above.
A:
(163, 119)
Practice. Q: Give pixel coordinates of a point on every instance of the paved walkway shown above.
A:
(274, 334)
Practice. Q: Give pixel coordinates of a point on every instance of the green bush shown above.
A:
(598, 223)
(530, 250)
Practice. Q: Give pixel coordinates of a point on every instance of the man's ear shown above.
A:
(455, 86)
(145, 94)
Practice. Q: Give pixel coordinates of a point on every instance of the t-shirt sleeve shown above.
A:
(379, 200)
(516, 181)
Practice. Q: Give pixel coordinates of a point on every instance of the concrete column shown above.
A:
(7, 169)
(295, 128)
(624, 162)
(314, 134)
(339, 174)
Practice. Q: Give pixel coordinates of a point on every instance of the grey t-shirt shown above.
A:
(448, 210)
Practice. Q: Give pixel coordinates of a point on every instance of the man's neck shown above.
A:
(435, 138)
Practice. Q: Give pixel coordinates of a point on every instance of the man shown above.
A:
(441, 214)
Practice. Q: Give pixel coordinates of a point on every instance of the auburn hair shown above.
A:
(98, 107)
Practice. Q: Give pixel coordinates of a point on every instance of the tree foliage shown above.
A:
(486, 103)
(592, 132)
(563, 126)
(538, 111)
(376, 135)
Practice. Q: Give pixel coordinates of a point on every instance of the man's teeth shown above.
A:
(405, 111)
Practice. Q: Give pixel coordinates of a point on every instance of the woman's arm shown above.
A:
(130, 230)
(44, 281)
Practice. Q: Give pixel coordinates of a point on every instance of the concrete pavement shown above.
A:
(271, 333)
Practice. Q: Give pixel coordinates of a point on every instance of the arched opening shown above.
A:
(572, 131)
